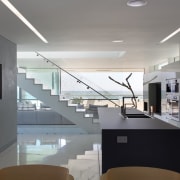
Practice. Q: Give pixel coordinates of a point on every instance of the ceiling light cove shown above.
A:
(136, 3)
(23, 19)
(72, 54)
(170, 36)
(117, 41)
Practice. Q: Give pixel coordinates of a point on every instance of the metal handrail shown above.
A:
(78, 80)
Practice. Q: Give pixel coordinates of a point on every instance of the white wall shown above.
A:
(161, 77)
(8, 103)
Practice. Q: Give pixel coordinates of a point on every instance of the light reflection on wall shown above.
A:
(61, 142)
(35, 151)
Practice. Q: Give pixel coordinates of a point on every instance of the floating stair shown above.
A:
(60, 106)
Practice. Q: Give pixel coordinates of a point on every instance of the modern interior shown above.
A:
(71, 75)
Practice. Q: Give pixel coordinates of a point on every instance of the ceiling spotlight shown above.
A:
(136, 3)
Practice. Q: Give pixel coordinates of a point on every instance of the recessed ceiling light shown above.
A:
(23, 19)
(136, 3)
(117, 41)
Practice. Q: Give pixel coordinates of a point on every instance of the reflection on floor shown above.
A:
(81, 153)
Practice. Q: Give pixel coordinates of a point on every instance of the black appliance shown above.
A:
(172, 86)
(173, 107)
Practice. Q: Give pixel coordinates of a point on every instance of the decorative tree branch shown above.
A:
(128, 86)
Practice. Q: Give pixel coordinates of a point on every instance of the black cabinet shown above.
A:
(141, 147)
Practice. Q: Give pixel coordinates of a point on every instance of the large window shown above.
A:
(72, 89)
(100, 82)
(90, 86)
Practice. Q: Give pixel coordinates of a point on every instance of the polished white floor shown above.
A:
(81, 153)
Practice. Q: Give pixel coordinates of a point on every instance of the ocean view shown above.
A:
(91, 97)
(94, 95)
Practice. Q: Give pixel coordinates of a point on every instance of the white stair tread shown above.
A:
(91, 156)
(83, 169)
(93, 152)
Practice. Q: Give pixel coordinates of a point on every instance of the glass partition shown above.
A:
(48, 77)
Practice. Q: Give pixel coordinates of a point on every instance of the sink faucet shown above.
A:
(123, 107)
(123, 110)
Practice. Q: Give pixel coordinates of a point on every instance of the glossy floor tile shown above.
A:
(57, 149)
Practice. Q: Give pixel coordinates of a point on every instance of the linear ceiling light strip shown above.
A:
(23, 19)
(170, 36)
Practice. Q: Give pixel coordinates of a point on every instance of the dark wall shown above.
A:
(151, 147)
(0, 81)
(155, 97)
(8, 100)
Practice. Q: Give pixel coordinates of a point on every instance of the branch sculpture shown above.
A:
(128, 86)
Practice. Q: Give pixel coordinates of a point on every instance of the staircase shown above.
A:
(86, 166)
(60, 106)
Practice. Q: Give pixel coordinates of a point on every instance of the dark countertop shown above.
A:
(111, 118)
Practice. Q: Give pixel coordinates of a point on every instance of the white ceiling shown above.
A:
(91, 26)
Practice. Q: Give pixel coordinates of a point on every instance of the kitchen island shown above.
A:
(138, 141)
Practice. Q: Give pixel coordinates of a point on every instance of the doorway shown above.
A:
(155, 97)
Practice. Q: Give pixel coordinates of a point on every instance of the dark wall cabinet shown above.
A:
(141, 147)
